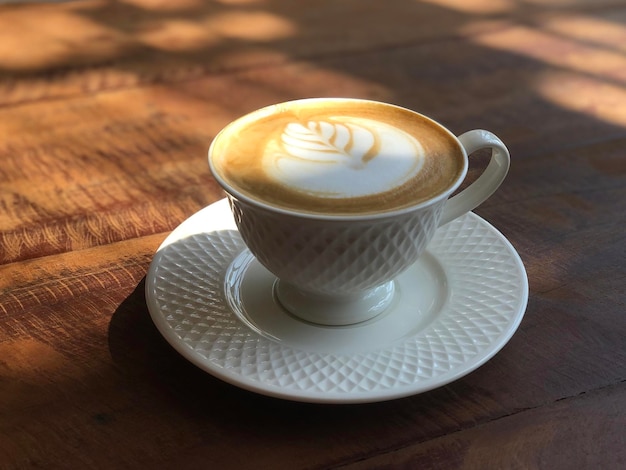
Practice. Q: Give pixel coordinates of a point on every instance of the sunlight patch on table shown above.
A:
(27, 42)
(176, 35)
(165, 5)
(583, 94)
(566, 53)
(77, 36)
(476, 7)
(251, 25)
(582, 58)
(591, 30)
(241, 2)
(210, 31)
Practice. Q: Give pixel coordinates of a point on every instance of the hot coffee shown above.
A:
(337, 197)
(337, 157)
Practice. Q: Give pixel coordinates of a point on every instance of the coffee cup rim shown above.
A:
(233, 192)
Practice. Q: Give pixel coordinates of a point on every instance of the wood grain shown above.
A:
(538, 438)
(124, 170)
(107, 110)
(75, 48)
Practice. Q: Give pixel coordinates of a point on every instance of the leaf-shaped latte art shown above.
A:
(343, 157)
(348, 144)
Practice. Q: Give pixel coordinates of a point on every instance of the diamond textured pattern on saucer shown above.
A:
(486, 295)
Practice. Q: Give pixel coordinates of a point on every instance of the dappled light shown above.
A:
(177, 35)
(187, 34)
(107, 112)
(606, 32)
(479, 7)
(54, 38)
(78, 34)
(165, 5)
(253, 26)
(192, 36)
(570, 61)
(558, 51)
(583, 94)
(583, 62)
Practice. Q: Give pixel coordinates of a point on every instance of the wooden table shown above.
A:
(107, 110)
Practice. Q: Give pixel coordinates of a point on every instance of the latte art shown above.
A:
(343, 143)
(343, 157)
(336, 157)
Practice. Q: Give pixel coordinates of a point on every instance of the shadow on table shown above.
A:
(153, 369)
(509, 71)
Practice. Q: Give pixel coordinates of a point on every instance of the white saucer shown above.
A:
(454, 310)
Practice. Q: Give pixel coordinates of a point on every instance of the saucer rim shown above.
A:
(399, 391)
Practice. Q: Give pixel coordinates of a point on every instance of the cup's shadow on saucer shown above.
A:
(157, 377)
(139, 349)
(147, 361)
(149, 365)
(206, 320)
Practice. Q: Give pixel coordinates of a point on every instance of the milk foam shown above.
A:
(343, 157)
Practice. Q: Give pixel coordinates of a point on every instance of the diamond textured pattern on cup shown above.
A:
(188, 289)
(329, 259)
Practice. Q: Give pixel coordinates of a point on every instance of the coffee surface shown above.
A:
(337, 157)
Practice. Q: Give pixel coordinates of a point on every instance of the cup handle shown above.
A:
(486, 184)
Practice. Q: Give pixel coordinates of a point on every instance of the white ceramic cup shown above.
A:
(339, 269)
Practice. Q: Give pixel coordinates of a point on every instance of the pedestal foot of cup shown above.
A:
(335, 311)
